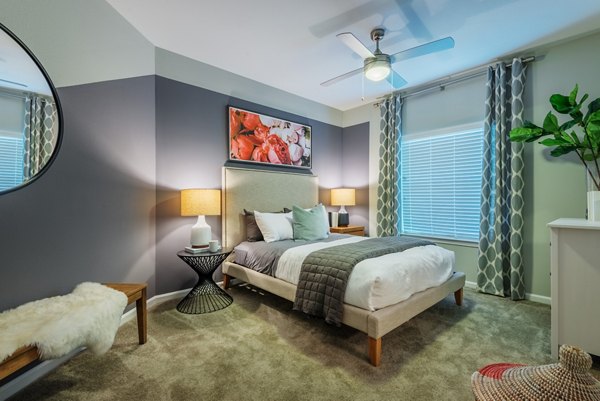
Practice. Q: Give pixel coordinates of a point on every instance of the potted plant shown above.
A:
(565, 138)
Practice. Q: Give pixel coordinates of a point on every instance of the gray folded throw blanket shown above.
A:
(324, 274)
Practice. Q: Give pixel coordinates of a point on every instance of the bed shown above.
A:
(266, 190)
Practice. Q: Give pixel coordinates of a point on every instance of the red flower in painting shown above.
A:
(235, 123)
(261, 154)
(261, 132)
(250, 121)
(278, 150)
(244, 146)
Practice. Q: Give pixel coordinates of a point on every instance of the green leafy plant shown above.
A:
(564, 137)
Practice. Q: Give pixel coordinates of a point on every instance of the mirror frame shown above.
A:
(59, 114)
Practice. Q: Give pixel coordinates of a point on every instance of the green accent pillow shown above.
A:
(308, 224)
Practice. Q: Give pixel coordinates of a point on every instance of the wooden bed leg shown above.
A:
(375, 351)
(226, 281)
(458, 296)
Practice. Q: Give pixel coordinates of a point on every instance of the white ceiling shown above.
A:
(292, 45)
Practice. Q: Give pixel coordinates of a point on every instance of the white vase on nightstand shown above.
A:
(201, 233)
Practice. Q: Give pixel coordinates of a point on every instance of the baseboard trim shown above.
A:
(541, 299)
(471, 284)
(37, 372)
(153, 302)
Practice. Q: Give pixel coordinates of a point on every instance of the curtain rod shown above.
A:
(5, 92)
(441, 83)
(22, 93)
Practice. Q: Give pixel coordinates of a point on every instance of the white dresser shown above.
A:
(575, 284)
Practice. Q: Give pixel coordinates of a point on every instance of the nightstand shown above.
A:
(206, 296)
(352, 230)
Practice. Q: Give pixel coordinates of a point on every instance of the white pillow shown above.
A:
(275, 226)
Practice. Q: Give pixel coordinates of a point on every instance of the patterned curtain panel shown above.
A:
(40, 134)
(500, 240)
(389, 162)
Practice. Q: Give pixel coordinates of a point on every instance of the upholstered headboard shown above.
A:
(263, 191)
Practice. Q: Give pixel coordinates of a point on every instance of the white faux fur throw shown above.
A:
(89, 316)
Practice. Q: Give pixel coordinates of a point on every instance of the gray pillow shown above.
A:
(309, 224)
(253, 233)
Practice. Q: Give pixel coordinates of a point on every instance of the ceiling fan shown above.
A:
(378, 65)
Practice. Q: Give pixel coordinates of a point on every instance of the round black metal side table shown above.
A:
(206, 296)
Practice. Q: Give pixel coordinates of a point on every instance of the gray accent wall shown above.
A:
(192, 147)
(108, 208)
(111, 199)
(91, 216)
(355, 171)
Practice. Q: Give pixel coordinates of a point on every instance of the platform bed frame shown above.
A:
(271, 191)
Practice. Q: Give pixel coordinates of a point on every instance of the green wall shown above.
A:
(554, 188)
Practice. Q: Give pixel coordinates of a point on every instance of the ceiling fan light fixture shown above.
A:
(377, 68)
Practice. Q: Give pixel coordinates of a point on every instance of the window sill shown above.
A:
(446, 241)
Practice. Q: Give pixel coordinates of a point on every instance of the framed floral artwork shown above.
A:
(258, 138)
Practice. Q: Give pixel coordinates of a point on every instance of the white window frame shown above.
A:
(454, 130)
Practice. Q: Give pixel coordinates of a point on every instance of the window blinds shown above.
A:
(441, 185)
(11, 162)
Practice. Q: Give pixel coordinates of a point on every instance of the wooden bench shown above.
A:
(29, 354)
(18, 360)
(137, 293)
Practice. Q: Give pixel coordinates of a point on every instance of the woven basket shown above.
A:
(568, 380)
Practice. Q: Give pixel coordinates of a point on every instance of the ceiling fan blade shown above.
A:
(427, 48)
(356, 45)
(396, 80)
(341, 77)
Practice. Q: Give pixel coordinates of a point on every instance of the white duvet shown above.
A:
(379, 282)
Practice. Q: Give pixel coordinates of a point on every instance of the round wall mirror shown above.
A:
(30, 115)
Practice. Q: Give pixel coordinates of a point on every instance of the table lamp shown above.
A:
(343, 197)
(200, 202)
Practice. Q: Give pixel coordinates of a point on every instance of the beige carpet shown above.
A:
(259, 349)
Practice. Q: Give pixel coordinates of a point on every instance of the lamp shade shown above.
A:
(196, 202)
(343, 197)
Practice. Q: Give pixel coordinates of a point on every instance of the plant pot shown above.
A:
(593, 205)
(593, 200)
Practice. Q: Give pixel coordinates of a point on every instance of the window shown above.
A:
(11, 162)
(440, 185)
(12, 114)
